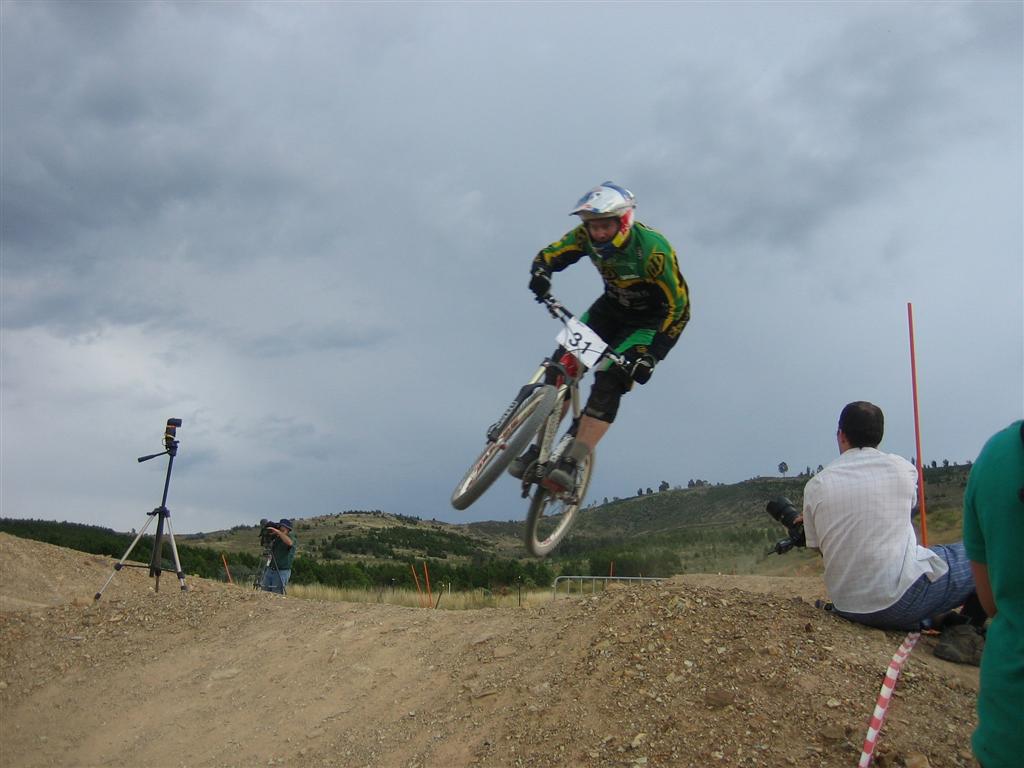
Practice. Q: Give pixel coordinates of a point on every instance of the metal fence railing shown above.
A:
(570, 580)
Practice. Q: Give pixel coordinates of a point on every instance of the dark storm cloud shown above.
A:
(775, 156)
(80, 134)
(117, 127)
(69, 306)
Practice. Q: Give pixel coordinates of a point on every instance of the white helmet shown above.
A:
(608, 201)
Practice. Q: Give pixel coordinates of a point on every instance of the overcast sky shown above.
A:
(305, 229)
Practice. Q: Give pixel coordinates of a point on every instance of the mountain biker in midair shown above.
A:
(644, 308)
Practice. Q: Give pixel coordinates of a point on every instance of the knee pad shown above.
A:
(609, 387)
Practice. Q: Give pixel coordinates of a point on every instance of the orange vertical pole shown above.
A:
(416, 578)
(426, 578)
(917, 429)
(226, 569)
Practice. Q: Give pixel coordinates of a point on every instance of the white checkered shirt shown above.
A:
(857, 512)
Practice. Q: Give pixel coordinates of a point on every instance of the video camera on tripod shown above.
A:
(783, 511)
(271, 533)
(170, 442)
(163, 517)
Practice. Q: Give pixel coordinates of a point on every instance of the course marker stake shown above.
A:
(885, 696)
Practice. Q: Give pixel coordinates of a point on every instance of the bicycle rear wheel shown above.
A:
(550, 517)
(509, 443)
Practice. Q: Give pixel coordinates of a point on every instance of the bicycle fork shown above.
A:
(550, 453)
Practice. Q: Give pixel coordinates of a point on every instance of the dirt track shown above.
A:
(703, 671)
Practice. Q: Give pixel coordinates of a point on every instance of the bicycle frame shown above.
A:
(567, 398)
(535, 415)
(568, 389)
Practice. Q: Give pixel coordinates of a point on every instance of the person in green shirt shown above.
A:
(644, 308)
(994, 540)
(282, 555)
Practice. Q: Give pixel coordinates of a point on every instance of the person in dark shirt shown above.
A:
(282, 555)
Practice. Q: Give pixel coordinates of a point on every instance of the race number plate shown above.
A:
(582, 342)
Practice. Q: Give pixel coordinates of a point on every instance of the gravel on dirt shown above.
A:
(705, 670)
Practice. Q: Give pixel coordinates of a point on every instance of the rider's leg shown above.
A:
(602, 406)
(517, 468)
(590, 431)
(562, 477)
(522, 462)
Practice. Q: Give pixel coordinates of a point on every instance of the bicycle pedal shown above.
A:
(556, 491)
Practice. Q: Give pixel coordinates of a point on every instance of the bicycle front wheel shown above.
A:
(551, 516)
(509, 443)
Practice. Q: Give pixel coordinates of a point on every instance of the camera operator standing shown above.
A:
(282, 555)
(857, 513)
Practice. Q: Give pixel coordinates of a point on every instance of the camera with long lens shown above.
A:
(783, 511)
(266, 535)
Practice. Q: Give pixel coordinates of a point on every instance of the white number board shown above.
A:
(586, 345)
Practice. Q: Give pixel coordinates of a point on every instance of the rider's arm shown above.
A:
(662, 262)
(562, 253)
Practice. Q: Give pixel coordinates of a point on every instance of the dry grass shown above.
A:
(466, 600)
(410, 598)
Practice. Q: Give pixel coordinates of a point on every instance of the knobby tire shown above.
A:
(540, 541)
(513, 439)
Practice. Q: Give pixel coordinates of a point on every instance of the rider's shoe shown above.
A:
(562, 477)
(520, 464)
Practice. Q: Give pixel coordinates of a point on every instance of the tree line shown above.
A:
(480, 572)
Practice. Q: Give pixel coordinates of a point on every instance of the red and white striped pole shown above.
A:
(885, 696)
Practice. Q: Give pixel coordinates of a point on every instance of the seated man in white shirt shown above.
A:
(857, 515)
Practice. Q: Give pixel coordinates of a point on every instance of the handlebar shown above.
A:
(554, 307)
(562, 313)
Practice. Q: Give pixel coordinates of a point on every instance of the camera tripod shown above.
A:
(267, 563)
(267, 559)
(163, 517)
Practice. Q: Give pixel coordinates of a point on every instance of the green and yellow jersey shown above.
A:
(642, 278)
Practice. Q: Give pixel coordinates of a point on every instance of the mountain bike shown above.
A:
(534, 416)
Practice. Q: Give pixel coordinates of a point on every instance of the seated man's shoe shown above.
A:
(961, 643)
(520, 464)
(948, 619)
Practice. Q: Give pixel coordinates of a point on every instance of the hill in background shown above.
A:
(674, 518)
(728, 521)
(703, 529)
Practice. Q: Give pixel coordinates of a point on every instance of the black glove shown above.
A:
(540, 282)
(640, 364)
